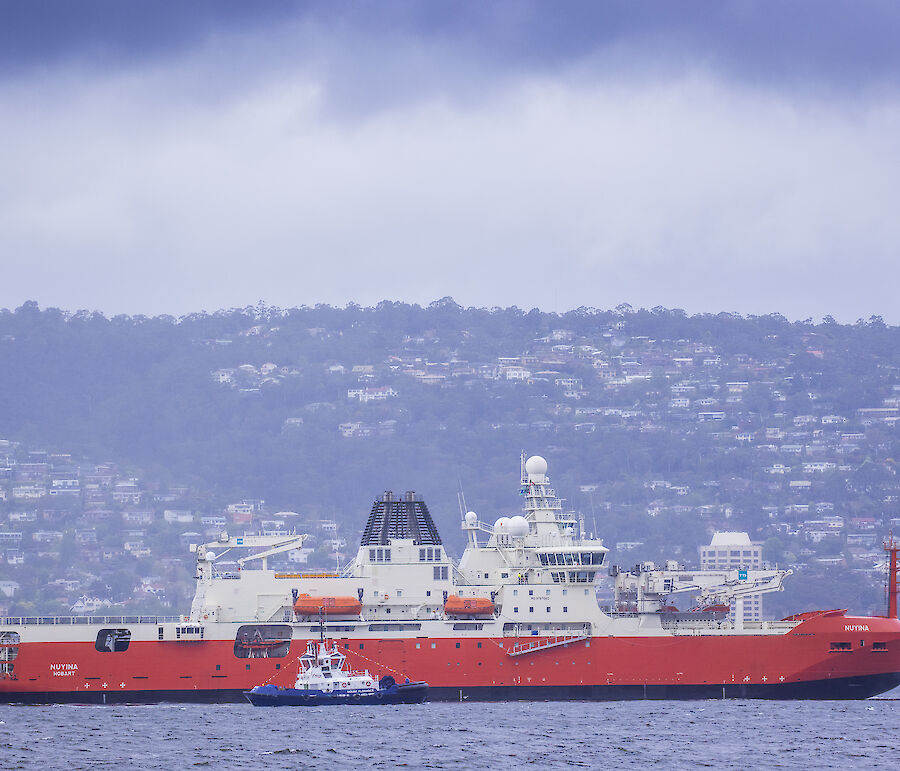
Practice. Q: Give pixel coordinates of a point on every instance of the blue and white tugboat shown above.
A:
(324, 679)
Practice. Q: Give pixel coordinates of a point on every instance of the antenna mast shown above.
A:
(892, 547)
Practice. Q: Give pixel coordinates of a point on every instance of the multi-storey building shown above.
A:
(735, 551)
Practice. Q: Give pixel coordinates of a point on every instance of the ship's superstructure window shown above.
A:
(379, 555)
(571, 558)
(113, 640)
(841, 646)
(189, 632)
(574, 576)
(430, 554)
(441, 573)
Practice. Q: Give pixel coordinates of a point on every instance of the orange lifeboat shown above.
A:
(468, 606)
(306, 605)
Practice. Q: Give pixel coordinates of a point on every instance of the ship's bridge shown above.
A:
(538, 546)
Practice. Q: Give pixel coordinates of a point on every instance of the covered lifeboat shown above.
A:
(468, 606)
(307, 605)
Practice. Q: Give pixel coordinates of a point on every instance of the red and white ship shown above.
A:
(516, 617)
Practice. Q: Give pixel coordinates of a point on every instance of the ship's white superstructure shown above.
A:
(537, 569)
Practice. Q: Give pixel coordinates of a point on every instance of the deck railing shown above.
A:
(72, 620)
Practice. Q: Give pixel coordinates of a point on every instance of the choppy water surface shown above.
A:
(721, 734)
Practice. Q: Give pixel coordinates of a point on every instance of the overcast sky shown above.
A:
(170, 157)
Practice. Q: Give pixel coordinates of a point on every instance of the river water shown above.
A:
(633, 734)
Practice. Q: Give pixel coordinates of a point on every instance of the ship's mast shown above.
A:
(892, 547)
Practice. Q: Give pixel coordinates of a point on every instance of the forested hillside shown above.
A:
(658, 426)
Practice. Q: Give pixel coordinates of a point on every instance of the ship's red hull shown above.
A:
(800, 664)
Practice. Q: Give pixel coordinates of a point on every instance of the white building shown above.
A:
(735, 551)
(371, 394)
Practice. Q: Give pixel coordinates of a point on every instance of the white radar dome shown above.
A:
(501, 526)
(210, 556)
(518, 526)
(535, 466)
(471, 518)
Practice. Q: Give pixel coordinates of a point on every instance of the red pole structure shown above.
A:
(891, 547)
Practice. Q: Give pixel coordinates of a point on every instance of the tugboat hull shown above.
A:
(270, 696)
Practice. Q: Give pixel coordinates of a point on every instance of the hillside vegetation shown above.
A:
(659, 427)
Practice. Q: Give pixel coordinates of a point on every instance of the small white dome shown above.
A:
(518, 526)
(210, 556)
(535, 466)
(471, 518)
(501, 526)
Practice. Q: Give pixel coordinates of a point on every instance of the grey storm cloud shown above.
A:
(845, 42)
(167, 157)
